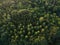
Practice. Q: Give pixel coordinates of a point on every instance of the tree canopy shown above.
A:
(29, 22)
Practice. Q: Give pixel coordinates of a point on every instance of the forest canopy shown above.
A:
(29, 22)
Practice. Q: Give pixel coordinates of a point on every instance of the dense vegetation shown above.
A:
(29, 22)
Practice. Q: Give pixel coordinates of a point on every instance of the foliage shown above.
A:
(29, 22)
